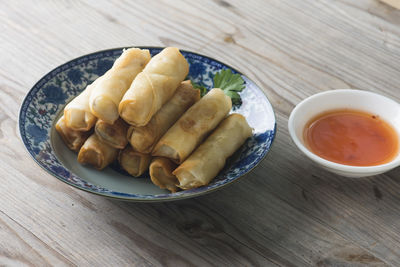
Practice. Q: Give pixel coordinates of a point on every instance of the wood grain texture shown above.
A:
(287, 212)
(392, 3)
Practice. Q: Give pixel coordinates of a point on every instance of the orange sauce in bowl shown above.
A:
(352, 137)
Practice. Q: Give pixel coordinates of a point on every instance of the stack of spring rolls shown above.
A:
(142, 113)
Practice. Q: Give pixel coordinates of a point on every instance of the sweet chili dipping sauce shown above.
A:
(351, 137)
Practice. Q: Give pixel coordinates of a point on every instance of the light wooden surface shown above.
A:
(287, 212)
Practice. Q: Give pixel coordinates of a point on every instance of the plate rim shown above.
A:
(138, 199)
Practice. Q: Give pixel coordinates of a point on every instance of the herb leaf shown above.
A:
(201, 87)
(230, 83)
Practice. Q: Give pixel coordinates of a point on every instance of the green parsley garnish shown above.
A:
(201, 87)
(228, 82)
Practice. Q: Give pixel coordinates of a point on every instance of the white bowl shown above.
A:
(384, 107)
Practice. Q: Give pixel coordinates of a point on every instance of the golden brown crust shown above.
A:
(73, 139)
(210, 157)
(106, 96)
(113, 134)
(77, 113)
(135, 163)
(161, 174)
(153, 87)
(96, 153)
(194, 125)
(144, 138)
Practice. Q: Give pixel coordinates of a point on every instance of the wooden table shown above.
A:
(286, 212)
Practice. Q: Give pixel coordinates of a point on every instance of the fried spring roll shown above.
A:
(135, 163)
(77, 113)
(153, 87)
(194, 125)
(144, 138)
(112, 134)
(161, 174)
(210, 157)
(96, 153)
(107, 94)
(73, 139)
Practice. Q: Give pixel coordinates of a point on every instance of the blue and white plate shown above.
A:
(45, 101)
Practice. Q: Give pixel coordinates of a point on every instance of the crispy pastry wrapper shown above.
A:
(73, 139)
(96, 153)
(153, 87)
(194, 126)
(113, 134)
(107, 94)
(77, 113)
(145, 137)
(161, 174)
(209, 158)
(135, 163)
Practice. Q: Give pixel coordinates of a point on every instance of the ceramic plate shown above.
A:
(45, 101)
